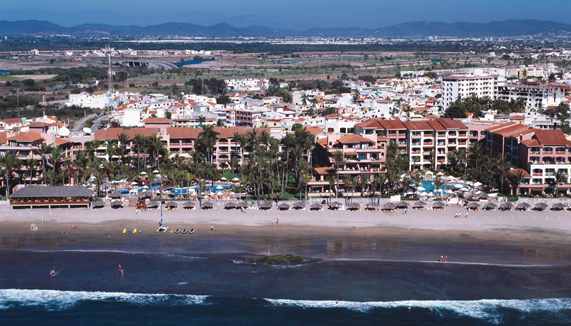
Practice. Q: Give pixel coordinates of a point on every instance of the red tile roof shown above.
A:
(3, 138)
(113, 133)
(353, 139)
(157, 120)
(525, 174)
(27, 137)
(551, 137)
(417, 125)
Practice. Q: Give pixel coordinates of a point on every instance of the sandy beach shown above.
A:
(538, 237)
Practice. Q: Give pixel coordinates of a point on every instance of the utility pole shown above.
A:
(108, 50)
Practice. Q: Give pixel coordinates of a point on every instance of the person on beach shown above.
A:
(272, 224)
(212, 228)
(445, 258)
(119, 267)
(277, 220)
(466, 215)
(441, 258)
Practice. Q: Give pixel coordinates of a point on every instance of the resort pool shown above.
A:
(428, 186)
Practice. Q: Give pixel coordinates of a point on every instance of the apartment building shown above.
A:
(504, 140)
(543, 154)
(534, 95)
(466, 85)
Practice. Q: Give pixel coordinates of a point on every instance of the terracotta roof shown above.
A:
(551, 137)
(192, 133)
(13, 120)
(530, 142)
(392, 124)
(39, 125)
(27, 137)
(510, 129)
(451, 124)
(113, 133)
(525, 174)
(3, 138)
(353, 139)
(157, 120)
(314, 131)
(324, 170)
(418, 125)
(63, 141)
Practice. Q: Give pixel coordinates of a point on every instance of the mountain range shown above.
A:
(411, 29)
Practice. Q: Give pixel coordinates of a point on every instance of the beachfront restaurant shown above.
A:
(48, 197)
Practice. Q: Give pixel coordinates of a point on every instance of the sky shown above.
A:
(326, 13)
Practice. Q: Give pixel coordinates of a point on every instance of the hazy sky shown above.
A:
(343, 13)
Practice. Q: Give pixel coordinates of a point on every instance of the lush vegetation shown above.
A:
(278, 259)
(476, 105)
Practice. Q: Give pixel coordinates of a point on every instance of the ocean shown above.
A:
(213, 282)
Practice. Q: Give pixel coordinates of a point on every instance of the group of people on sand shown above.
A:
(459, 215)
(443, 258)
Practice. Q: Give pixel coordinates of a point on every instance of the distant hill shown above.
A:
(412, 29)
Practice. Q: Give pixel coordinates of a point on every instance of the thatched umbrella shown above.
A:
(402, 204)
(418, 204)
(229, 205)
(153, 204)
(371, 206)
(298, 205)
(540, 206)
(116, 204)
(506, 206)
(389, 206)
(334, 205)
(483, 195)
(353, 206)
(188, 205)
(473, 205)
(283, 207)
(438, 205)
(558, 207)
(315, 206)
(97, 204)
(171, 204)
(490, 206)
(242, 204)
(265, 205)
(144, 195)
(523, 206)
(115, 195)
(207, 204)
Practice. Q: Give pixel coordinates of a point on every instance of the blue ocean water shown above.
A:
(213, 289)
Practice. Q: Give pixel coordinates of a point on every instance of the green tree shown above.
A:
(9, 163)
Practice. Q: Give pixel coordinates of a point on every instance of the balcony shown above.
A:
(537, 174)
(534, 152)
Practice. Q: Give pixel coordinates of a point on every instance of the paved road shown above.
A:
(97, 122)
(79, 125)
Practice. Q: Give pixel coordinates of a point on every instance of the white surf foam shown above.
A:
(61, 300)
(171, 256)
(439, 262)
(486, 309)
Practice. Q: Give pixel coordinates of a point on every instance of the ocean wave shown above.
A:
(439, 262)
(172, 256)
(486, 309)
(61, 300)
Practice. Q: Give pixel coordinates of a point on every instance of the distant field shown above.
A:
(34, 77)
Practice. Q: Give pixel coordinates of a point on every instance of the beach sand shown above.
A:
(487, 237)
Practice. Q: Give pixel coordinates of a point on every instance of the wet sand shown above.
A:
(484, 237)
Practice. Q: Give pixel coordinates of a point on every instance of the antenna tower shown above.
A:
(108, 50)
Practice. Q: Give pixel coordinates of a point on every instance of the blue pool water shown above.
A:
(428, 186)
(191, 62)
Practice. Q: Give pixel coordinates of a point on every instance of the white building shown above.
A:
(466, 85)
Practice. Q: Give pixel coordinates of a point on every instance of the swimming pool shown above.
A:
(429, 186)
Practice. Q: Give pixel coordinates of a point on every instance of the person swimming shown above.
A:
(53, 273)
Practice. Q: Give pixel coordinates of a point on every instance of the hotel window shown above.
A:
(362, 156)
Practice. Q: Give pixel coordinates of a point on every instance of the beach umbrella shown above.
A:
(473, 205)
(134, 183)
(145, 187)
(235, 179)
(242, 204)
(153, 204)
(171, 204)
(523, 206)
(219, 187)
(421, 188)
(506, 206)
(283, 207)
(223, 179)
(353, 206)
(97, 204)
(389, 206)
(143, 173)
(115, 195)
(298, 205)
(116, 204)
(483, 195)
(188, 204)
(419, 204)
(540, 206)
(315, 206)
(371, 205)
(156, 172)
(558, 206)
(265, 205)
(207, 204)
(229, 205)
(490, 206)
(438, 204)
(335, 204)
(144, 194)
(402, 204)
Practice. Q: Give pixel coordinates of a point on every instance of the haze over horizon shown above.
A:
(296, 14)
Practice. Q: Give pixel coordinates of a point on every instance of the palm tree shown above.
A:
(44, 150)
(138, 141)
(502, 171)
(57, 156)
(9, 163)
(233, 164)
(560, 177)
(516, 178)
(332, 181)
(438, 182)
(201, 119)
(305, 179)
(417, 179)
(475, 152)
(31, 164)
(338, 158)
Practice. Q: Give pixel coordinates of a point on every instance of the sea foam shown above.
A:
(486, 309)
(61, 300)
